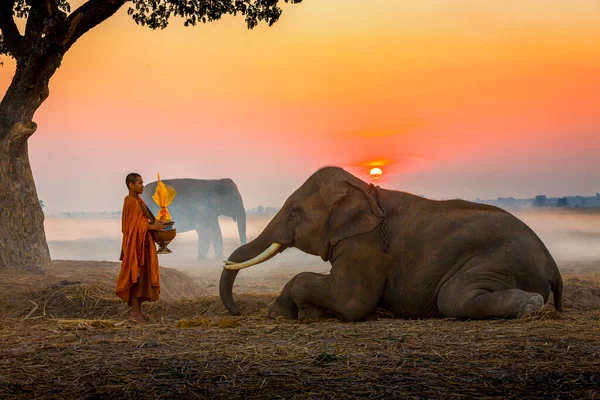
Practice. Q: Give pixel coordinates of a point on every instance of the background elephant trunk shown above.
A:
(231, 205)
(241, 224)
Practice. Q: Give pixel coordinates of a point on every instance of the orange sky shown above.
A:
(463, 98)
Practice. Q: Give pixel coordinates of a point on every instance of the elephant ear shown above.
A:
(355, 212)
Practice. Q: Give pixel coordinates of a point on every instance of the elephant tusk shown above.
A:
(262, 257)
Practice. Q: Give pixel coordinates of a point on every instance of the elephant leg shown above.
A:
(203, 242)
(284, 304)
(343, 294)
(474, 298)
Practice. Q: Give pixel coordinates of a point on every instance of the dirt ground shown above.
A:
(64, 334)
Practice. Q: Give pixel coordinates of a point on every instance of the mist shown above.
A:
(571, 237)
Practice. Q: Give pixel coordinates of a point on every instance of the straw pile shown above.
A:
(79, 290)
(194, 349)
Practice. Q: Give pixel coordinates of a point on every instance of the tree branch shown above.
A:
(10, 32)
(87, 16)
(71, 29)
(35, 21)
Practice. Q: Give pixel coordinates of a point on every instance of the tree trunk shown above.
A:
(22, 238)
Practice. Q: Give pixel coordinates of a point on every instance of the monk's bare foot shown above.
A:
(136, 317)
(144, 315)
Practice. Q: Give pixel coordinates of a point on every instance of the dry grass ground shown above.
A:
(64, 335)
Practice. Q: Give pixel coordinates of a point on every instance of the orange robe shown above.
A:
(140, 275)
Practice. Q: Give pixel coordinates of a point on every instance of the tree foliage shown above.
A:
(156, 13)
(43, 15)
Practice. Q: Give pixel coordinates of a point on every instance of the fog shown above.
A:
(571, 237)
(100, 239)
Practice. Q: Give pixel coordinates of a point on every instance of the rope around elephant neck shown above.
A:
(383, 232)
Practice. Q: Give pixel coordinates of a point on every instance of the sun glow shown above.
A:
(375, 173)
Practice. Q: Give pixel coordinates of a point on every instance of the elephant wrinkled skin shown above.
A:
(198, 205)
(446, 258)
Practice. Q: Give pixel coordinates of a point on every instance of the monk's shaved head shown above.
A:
(132, 178)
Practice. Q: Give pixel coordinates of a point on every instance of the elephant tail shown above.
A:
(557, 289)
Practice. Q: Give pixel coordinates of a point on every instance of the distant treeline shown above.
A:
(260, 210)
(540, 201)
(546, 202)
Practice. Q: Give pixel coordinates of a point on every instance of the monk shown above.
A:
(139, 278)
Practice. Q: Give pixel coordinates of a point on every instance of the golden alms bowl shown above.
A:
(163, 238)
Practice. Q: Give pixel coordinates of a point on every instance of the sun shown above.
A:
(375, 173)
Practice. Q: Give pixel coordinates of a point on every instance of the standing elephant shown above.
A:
(197, 206)
(415, 257)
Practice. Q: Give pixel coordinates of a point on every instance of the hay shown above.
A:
(73, 289)
(547, 355)
(195, 349)
(76, 324)
(222, 323)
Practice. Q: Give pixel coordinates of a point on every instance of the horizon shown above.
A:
(452, 99)
(277, 207)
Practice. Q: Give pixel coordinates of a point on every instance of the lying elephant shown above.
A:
(415, 257)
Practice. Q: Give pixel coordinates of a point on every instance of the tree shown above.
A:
(562, 202)
(50, 31)
(540, 201)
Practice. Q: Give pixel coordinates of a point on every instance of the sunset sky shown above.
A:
(457, 98)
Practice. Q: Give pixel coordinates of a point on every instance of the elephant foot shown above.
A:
(276, 309)
(535, 303)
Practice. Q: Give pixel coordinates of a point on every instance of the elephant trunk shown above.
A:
(271, 241)
(254, 250)
(226, 290)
